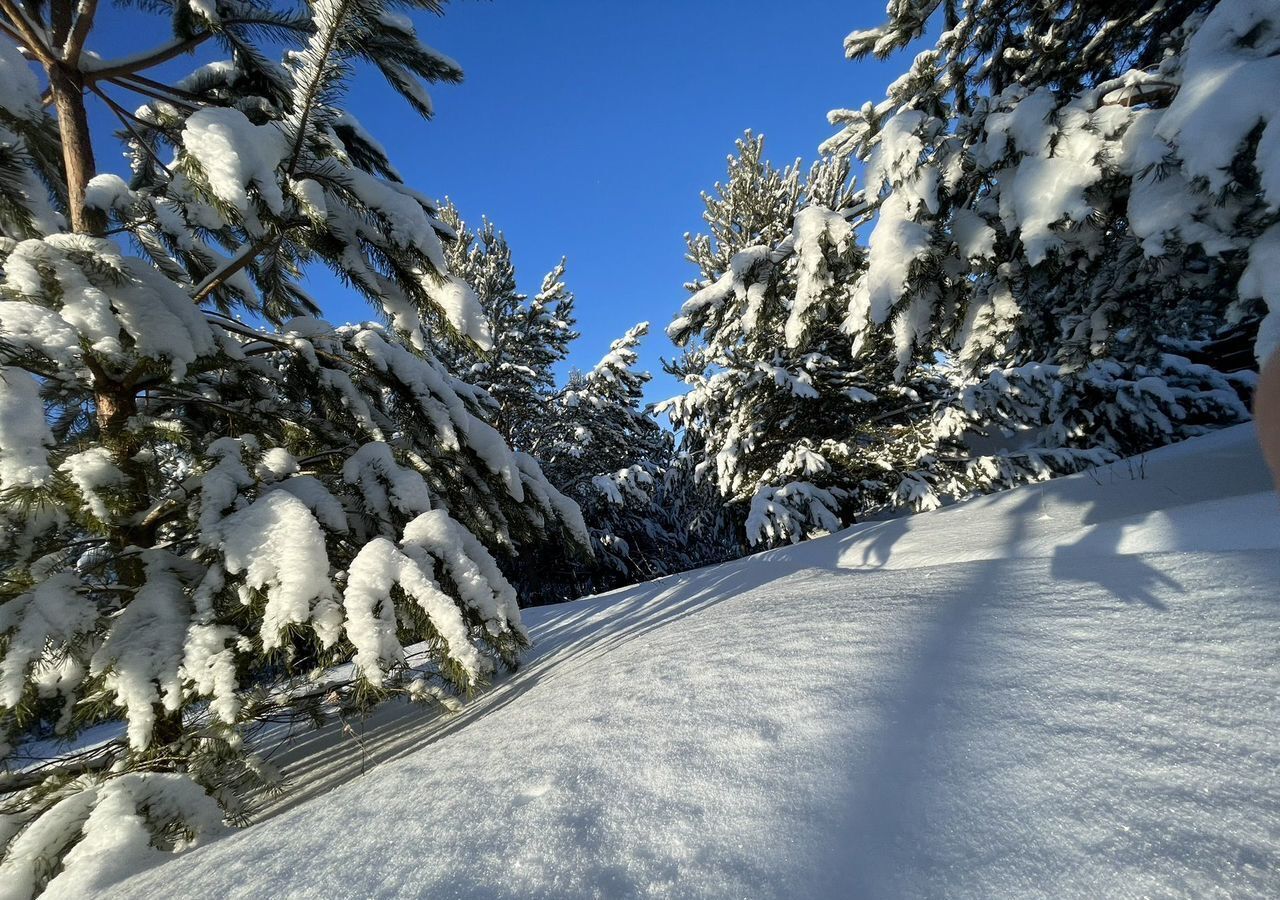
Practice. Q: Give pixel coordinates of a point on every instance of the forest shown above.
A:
(1051, 246)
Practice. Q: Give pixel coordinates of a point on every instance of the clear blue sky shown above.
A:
(587, 128)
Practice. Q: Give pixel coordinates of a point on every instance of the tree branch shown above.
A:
(186, 97)
(124, 116)
(236, 263)
(131, 65)
(31, 33)
(148, 92)
(79, 31)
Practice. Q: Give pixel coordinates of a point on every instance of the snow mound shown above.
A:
(1066, 690)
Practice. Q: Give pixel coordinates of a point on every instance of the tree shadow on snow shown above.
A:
(570, 637)
(898, 821)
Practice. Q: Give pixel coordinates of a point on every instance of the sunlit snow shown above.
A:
(1066, 690)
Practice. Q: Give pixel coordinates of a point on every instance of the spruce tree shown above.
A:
(603, 448)
(209, 495)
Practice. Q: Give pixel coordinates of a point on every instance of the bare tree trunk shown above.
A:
(67, 86)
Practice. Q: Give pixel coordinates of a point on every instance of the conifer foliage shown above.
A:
(1067, 209)
(603, 448)
(209, 495)
(797, 431)
(1072, 199)
(529, 335)
(597, 442)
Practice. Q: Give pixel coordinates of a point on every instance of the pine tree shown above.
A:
(798, 434)
(530, 336)
(209, 495)
(1069, 207)
(603, 448)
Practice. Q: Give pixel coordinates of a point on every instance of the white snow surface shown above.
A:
(1065, 690)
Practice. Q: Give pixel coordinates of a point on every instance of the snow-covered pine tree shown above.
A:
(529, 336)
(797, 434)
(603, 448)
(1072, 200)
(203, 511)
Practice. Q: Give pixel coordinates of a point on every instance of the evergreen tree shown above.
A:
(606, 451)
(797, 433)
(528, 336)
(204, 511)
(1071, 202)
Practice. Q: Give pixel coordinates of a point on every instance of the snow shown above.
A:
(894, 245)
(279, 545)
(371, 623)
(113, 818)
(733, 283)
(974, 237)
(552, 501)
(24, 433)
(157, 314)
(1261, 279)
(1228, 89)
(106, 192)
(19, 88)
(473, 571)
(235, 154)
(328, 511)
(140, 658)
(1065, 690)
(1050, 180)
(90, 472)
(815, 228)
(384, 483)
(54, 610)
(20, 100)
(310, 194)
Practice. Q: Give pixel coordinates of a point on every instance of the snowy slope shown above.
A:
(1067, 690)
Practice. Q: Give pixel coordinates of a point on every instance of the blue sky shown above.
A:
(587, 128)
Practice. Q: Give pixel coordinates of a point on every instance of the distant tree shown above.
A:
(606, 451)
(1060, 263)
(208, 496)
(796, 432)
(528, 336)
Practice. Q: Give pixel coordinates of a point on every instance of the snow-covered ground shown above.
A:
(1066, 690)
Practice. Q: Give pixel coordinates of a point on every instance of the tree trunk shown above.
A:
(115, 399)
(67, 85)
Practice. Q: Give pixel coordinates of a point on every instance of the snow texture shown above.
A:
(24, 433)
(279, 546)
(1228, 90)
(19, 88)
(1065, 690)
(90, 472)
(106, 192)
(815, 229)
(140, 658)
(113, 819)
(234, 155)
